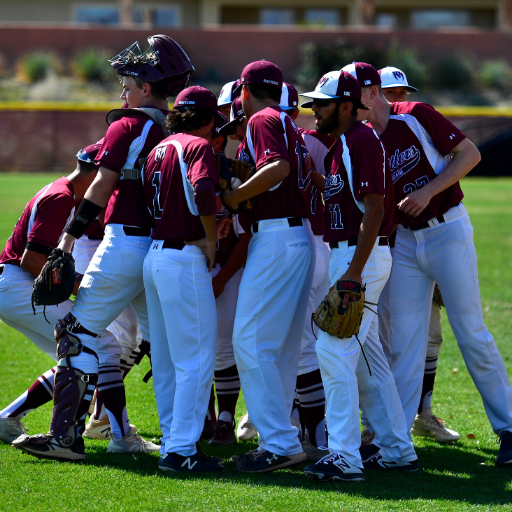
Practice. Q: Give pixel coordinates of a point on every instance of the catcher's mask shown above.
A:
(163, 60)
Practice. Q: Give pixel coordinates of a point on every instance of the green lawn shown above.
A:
(456, 477)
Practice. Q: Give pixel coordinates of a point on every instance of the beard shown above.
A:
(330, 123)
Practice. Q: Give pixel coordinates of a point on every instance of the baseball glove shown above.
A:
(229, 169)
(335, 320)
(56, 281)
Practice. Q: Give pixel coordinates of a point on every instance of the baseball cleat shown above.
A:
(366, 452)
(44, 446)
(265, 461)
(334, 467)
(367, 436)
(194, 463)
(224, 433)
(427, 424)
(313, 453)
(246, 430)
(379, 462)
(504, 457)
(11, 429)
(208, 429)
(100, 429)
(243, 456)
(131, 443)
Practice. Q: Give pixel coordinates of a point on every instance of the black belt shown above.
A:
(94, 237)
(383, 241)
(173, 244)
(293, 222)
(423, 225)
(132, 231)
(1, 270)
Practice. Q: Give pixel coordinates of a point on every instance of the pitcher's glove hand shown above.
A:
(335, 320)
(232, 174)
(56, 281)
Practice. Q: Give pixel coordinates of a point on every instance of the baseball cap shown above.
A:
(197, 96)
(289, 97)
(365, 73)
(236, 113)
(89, 153)
(226, 93)
(335, 85)
(394, 77)
(260, 72)
(219, 122)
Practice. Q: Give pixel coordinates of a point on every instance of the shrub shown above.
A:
(417, 72)
(35, 67)
(92, 66)
(496, 74)
(453, 71)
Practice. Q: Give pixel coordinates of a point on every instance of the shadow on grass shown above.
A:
(448, 472)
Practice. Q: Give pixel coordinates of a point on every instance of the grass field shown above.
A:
(456, 477)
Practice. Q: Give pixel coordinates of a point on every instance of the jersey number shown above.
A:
(157, 211)
(336, 223)
(411, 187)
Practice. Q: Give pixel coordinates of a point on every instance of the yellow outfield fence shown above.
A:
(71, 106)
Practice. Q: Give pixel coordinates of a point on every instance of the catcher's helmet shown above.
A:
(163, 60)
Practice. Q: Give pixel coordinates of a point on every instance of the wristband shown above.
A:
(85, 216)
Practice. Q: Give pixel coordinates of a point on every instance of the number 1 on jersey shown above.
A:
(157, 211)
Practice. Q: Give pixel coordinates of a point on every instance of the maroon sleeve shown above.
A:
(268, 140)
(53, 213)
(116, 144)
(201, 161)
(445, 136)
(368, 161)
(205, 197)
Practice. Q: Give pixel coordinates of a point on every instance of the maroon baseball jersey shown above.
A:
(127, 140)
(419, 140)
(95, 230)
(272, 136)
(172, 173)
(359, 153)
(40, 227)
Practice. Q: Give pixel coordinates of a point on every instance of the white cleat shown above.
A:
(131, 443)
(313, 453)
(11, 429)
(100, 429)
(427, 424)
(246, 430)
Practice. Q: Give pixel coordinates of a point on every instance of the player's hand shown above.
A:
(208, 247)
(229, 200)
(415, 202)
(218, 286)
(350, 276)
(223, 227)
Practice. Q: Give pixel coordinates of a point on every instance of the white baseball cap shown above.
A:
(394, 77)
(226, 94)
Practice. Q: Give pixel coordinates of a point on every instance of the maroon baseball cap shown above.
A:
(236, 113)
(219, 121)
(89, 153)
(337, 86)
(365, 73)
(289, 97)
(200, 97)
(261, 72)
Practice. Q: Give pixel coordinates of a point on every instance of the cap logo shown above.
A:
(367, 82)
(399, 75)
(346, 93)
(322, 82)
(184, 102)
(243, 79)
(270, 82)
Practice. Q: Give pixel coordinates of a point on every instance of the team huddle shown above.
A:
(217, 279)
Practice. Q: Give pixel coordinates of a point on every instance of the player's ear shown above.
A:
(146, 89)
(345, 109)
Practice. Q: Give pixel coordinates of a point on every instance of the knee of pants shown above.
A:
(108, 349)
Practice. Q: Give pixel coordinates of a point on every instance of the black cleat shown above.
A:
(265, 461)
(197, 463)
(378, 462)
(504, 457)
(334, 467)
(224, 433)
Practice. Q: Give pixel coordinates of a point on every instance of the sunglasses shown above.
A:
(323, 103)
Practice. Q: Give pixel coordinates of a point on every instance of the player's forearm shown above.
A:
(102, 187)
(210, 226)
(318, 180)
(236, 259)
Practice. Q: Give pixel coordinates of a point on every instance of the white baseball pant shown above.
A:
(183, 323)
(344, 370)
(269, 320)
(308, 360)
(444, 253)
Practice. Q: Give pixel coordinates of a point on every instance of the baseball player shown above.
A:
(36, 233)
(277, 278)
(226, 97)
(180, 185)
(358, 220)
(309, 401)
(394, 87)
(114, 276)
(428, 156)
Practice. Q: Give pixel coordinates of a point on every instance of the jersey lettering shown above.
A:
(157, 211)
(336, 223)
(333, 184)
(302, 154)
(403, 162)
(420, 182)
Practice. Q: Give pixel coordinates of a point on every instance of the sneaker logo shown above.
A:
(188, 463)
(274, 457)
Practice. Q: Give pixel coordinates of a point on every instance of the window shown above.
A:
(159, 16)
(277, 16)
(385, 19)
(101, 14)
(322, 16)
(441, 18)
